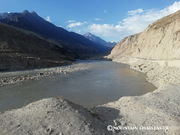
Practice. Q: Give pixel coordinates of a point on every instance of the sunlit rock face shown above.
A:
(160, 40)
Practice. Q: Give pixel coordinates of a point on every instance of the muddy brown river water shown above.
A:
(105, 82)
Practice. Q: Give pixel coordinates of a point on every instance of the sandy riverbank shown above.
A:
(155, 113)
(158, 109)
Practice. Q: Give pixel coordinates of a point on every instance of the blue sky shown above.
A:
(112, 20)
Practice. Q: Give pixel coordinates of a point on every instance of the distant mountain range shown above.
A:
(99, 40)
(28, 41)
(74, 42)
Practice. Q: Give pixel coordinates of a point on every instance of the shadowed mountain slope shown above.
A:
(20, 49)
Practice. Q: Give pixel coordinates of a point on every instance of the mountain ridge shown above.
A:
(20, 49)
(31, 21)
(99, 40)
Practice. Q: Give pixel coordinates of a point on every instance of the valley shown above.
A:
(54, 81)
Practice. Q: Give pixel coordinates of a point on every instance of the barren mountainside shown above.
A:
(160, 40)
(20, 49)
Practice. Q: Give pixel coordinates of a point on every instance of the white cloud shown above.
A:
(136, 22)
(105, 29)
(48, 19)
(85, 22)
(73, 23)
(97, 19)
(133, 12)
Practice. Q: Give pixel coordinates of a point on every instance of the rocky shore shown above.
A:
(155, 52)
(8, 78)
(50, 117)
(156, 112)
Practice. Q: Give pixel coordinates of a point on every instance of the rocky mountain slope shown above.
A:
(69, 40)
(20, 49)
(99, 40)
(161, 40)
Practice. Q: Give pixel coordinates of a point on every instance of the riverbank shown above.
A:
(9, 78)
(157, 112)
(50, 116)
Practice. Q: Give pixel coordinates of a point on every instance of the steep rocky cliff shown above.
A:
(160, 41)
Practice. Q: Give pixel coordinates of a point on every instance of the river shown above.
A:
(106, 81)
